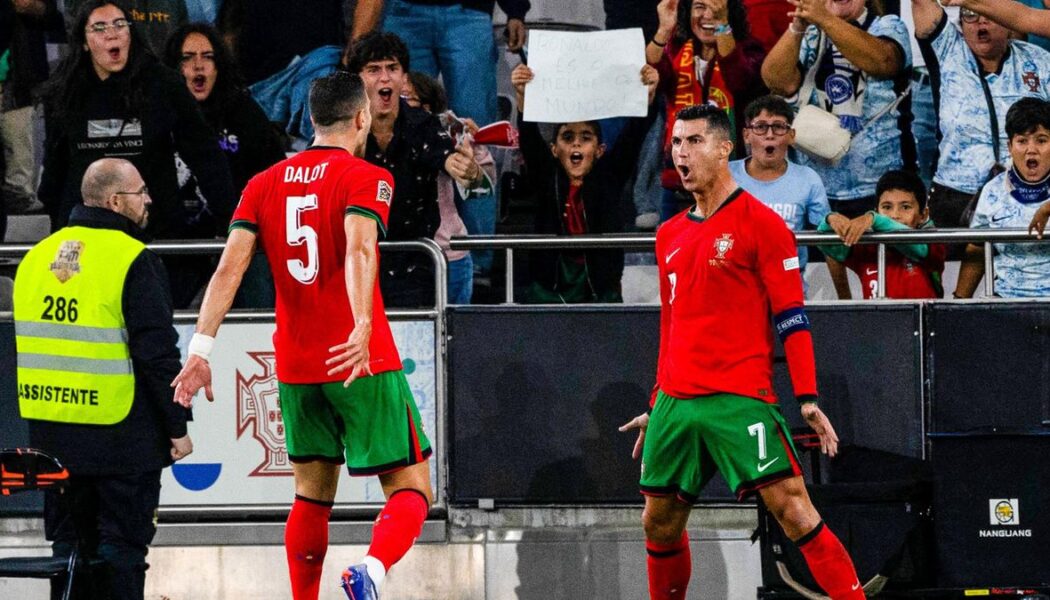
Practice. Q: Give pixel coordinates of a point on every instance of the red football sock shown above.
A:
(669, 569)
(830, 564)
(306, 543)
(398, 526)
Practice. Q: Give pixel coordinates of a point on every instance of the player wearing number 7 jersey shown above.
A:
(729, 277)
(344, 397)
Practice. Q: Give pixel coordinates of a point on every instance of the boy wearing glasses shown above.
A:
(793, 191)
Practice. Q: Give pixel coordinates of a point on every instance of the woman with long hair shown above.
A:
(705, 54)
(250, 142)
(110, 97)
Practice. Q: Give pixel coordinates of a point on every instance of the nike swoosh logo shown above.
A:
(762, 468)
(671, 255)
(856, 586)
(871, 271)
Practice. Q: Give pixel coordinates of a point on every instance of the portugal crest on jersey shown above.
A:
(722, 245)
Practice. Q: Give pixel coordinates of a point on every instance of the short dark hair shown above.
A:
(595, 125)
(716, 118)
(774, 105)
(336, 97)
(905, 181)
(429, 92)
(374, 46)
(1026, 115)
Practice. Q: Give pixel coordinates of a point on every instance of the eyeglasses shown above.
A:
(968, 16)
(119, 25)
(143, 192)
(761, 128)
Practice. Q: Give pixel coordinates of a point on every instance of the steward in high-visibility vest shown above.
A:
(93, 329)
(97, 353)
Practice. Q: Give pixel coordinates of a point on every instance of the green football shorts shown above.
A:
(373, 424)
(687, 440)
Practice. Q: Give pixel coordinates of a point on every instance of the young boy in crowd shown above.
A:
(912, 270)
(579, 189)
(793, 191)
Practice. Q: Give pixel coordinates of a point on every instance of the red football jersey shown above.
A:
(297, 207)
(721, 281)
(905, 278)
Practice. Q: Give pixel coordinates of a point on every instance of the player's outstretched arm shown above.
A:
(361, 267)
(818, 421)
(641, 423)
(196, 373)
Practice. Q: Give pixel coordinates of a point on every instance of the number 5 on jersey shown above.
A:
(298, 234)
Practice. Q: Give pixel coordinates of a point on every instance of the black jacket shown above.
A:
(602, 191)
(251, 144)
(415, 157)
(142, 441)
(99, 125)
(515, 9)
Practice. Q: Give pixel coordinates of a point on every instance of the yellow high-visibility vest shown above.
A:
(74, 364)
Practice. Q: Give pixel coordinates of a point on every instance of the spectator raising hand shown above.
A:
(844, 58)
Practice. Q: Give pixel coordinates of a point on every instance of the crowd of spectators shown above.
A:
(200, 95)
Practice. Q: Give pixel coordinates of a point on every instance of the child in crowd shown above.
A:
(912, 270)
(793, 191)
(579, 188)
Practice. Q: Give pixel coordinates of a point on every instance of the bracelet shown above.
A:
(723, 29)
(791, 28)
(200, 345)
(656, 43)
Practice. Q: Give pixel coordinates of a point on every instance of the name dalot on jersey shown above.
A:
(304, 174)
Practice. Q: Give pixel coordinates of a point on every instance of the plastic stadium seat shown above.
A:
(24, 470)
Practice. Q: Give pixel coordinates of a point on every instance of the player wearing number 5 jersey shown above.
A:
(318, 216)
(729, 279)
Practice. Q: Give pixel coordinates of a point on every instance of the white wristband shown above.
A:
(200, 345)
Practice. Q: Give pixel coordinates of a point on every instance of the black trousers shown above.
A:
(113, 517)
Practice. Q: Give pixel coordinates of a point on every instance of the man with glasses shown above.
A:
(96, 350)
(793, 191)
(973, 68)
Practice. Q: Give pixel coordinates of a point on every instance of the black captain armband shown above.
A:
(791, 321)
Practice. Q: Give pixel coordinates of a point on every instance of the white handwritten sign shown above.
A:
(585, 76)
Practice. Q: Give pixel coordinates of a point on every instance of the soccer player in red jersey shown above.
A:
(344, 397)
(729, 279)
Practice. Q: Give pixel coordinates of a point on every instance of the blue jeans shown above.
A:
(456, 43)
(479, 215)
(460, 280)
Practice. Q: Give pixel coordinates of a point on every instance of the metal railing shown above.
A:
(647, 241)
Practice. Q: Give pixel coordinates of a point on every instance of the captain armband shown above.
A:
(791, 321)
(200, 345)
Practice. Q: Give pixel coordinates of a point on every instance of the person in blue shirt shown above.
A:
(858, 62)
(1014, 199)
(966, 63)
(793, 191)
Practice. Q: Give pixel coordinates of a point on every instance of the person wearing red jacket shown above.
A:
(729, 279)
